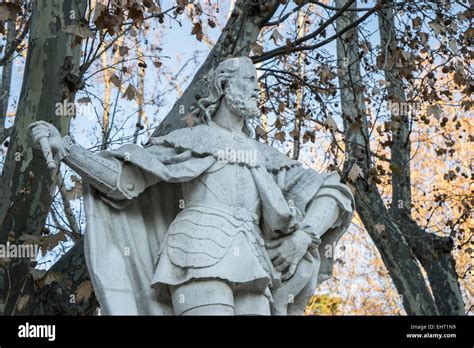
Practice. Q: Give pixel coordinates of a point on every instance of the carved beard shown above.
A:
(245, 108)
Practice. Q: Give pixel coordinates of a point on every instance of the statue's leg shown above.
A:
(251, 303)
(203, 297)
(301, 300)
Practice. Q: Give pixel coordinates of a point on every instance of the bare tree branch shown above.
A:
(10, 49)
(296, 45)
(70, 217)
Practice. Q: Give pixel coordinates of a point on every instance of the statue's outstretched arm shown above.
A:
(102, 173)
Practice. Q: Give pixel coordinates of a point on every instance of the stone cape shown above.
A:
(203, 140)
(133, 230)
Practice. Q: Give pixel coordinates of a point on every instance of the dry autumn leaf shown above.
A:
(76, 190)
(280, 136)
(355, 172)
(331, 123)
(197, 8)
(197, 31)
(99, 7)
(279, 122)
(309, 136)
(281, 108)
(155, 9)
(181, 3)
(189, 119)
(469, 33)
(135, 12)
(416, 22)
(22, 302)
(152, 6)
(257, 49)
(453, 46)
(379, 228)
(351, 187)
(30, 239)
(436, 27)
(80, 30)
(366, 46)
(44, 278)
(325, 74)
(295, 133)
(84, 100)
(37, 274)
(110, 22)
(276, 36)
(123, 50)
(9, 11)
(115, 80)
(50, 242)
(84, 291)
(131, 92)
(260, 132)
(434, 110)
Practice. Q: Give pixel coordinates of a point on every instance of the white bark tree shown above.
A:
(26, 185)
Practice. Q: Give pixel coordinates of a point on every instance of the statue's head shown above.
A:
(233, 82)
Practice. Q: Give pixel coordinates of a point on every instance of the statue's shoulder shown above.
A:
(274, 159)
(204, 140)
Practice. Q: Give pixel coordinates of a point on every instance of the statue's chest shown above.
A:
(229, 184)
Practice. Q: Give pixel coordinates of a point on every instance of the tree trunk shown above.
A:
(5, 83)
(382, 228)
(26, 185)
(433, 252)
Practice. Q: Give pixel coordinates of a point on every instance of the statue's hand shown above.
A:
(41, 130)
(287, 252)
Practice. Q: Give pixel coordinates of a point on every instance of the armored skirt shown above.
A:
(220, 242)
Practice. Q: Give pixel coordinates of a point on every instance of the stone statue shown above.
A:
(205, 220)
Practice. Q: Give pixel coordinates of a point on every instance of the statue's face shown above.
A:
(242, 91)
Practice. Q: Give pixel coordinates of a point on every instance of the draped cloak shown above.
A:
(126, 228)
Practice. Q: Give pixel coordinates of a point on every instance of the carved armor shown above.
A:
(217, 235)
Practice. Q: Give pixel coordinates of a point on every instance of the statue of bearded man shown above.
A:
(206, 220)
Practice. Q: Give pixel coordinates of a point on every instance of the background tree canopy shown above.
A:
(379, 91)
